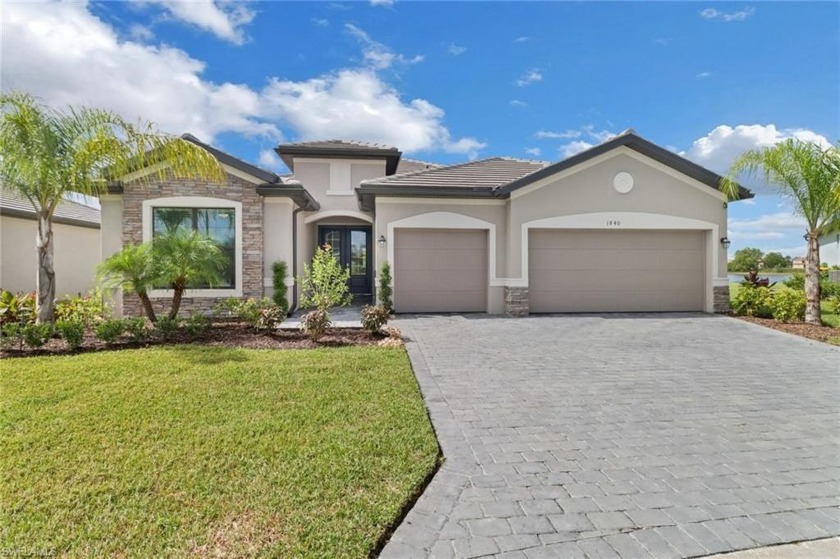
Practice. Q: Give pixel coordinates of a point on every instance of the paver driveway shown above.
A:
(630, 436)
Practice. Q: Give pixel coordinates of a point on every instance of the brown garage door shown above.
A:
(616, 271)
(440, 270)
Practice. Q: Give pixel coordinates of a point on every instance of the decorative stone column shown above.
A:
(721, 298)
(517, 301)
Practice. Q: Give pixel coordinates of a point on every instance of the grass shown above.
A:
(191, 451)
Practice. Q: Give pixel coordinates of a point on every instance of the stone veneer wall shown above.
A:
(252, 235)
(517, 301)
(721, 299)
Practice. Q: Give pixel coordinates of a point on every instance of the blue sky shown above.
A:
(447, 81)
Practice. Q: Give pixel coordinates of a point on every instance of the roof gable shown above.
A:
(345, 149)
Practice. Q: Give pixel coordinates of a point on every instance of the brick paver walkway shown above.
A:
(622, 436)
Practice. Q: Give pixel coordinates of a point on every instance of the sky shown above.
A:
(451, 81)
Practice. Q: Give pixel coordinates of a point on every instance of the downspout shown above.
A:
(294, 258)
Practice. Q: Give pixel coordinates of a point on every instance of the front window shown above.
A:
(217, 223)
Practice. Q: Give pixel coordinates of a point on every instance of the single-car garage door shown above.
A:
(440, 270)
(616, 271)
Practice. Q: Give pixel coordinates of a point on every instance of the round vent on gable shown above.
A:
(623, 182)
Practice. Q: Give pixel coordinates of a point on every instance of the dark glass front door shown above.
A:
(351, 246)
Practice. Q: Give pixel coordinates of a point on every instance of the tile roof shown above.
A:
(412, 166)
(350, 145)
(485, 173)
(14, 204)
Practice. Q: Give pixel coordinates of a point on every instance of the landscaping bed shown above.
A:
(820, 333)
(195, 451)
(218, 334)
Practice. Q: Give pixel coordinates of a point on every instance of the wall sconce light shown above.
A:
(382, 241)
(725, 242)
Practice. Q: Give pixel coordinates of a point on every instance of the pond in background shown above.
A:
(778, 278)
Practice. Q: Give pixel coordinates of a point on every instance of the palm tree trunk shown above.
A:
(177, 295)
(812, 281)
(147, 306)
(45, 281)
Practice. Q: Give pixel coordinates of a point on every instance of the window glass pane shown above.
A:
(217, 223)
(333, 238)
(358, 253)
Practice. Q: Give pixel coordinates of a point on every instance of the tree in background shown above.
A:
(808, 176)
(46, 154)
(776, 260)
(745, 260)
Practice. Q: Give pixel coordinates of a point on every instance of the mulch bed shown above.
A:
(825, 334)
(229, 334)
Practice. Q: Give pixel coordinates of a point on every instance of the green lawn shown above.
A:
(191, 451)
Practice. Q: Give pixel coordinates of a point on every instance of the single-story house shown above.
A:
(626, 226)
(76, 251)
(830, 248)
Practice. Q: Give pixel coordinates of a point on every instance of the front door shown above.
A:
(351, 247)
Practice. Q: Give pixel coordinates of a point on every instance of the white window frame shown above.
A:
(198, 202)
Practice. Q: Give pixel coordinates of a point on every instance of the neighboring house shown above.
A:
(829, 249)
(625, 226)
(797, 263)
(76, 250)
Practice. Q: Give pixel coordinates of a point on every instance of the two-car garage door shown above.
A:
(616, 271)
(440, 270)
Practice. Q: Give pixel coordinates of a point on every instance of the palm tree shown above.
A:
(46, 154)
(187, 260)
(809, 176)
(132, 269)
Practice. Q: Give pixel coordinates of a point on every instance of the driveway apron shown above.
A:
(622, 436)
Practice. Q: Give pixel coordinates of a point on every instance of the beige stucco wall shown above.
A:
(332, 182)
(830, 249)
(656, 190)
(76, 255)
(277, 242)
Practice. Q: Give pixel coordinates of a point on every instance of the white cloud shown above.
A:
(269, 159)
(536, 152)
(522, 39)
(141, 33)
(548, 134)
(222, 18)
(780, 220)
(356, 103)
(381, 2)
(321, 22)
(719, 148)
(518, 103)
(572, 148)
(456, 50)
(712, 13)
(748, 202)
(703, 75)
(376, 54)
(662, 41)
(66, 55)
(529, 77)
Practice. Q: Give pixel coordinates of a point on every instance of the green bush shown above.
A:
(260, 314)
(375, 317)
(789, 305)
(385, 290)
(834, 304)
(136, 328)
(88, 309)
(324, 283)
(72, 332)
(166, 327)
(828, 289)
(36, 335)
(753, 301)
(278, 282)
(11, 336)
(17, 308)
(196, 324)
(109, 331)
(315, 324)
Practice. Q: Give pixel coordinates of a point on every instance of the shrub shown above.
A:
(789, 305)
(260, 314)
(834, 304)
(796, 281)
(392, 332)
(72, 332)
(278, 282)
(385, 290)
(136, 329)
(228, 308)
(324, 283)
(11, 336)
(751, 279)
(165, 327)
(36, 335)
(828, 289)
(315, 324)
(753, 301)
(109, 331)
(88, 309)
(18, 308)
(374, 317)
(196, 324)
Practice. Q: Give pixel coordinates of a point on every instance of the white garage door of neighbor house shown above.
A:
(616, 271)
(440, 270)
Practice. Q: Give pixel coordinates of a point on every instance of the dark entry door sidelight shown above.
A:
(351, 246)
